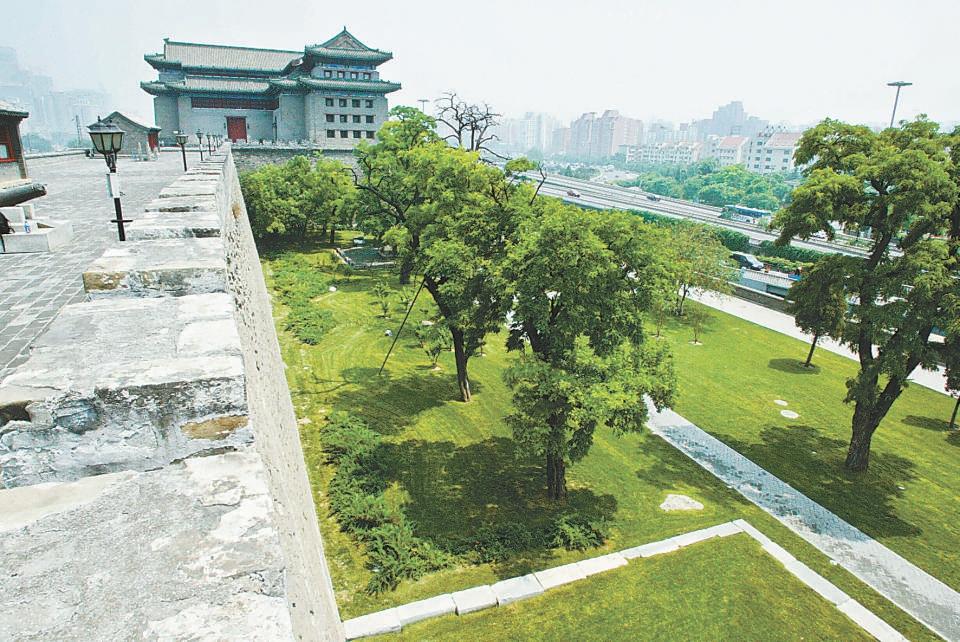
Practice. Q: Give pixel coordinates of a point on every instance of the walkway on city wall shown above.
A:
(784, 324)
(918, 593)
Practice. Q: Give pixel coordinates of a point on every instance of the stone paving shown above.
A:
(34, 287)
(918, 593)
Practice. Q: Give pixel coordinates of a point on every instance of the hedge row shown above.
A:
(789, 252)
(731, 239)
(298, 282)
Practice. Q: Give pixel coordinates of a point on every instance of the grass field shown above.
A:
(454, 468)
(705, 592)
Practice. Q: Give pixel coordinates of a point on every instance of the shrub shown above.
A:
(395, 554)
(803, 255)
(346, 437)
(577, 533)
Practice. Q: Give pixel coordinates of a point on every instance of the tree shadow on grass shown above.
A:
(927, 423)
(954, 438)
(865, 500)
(793, 366)
(453, 491)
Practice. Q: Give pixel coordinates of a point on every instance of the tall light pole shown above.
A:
(423, 104)
(898, 84)
(107, 139)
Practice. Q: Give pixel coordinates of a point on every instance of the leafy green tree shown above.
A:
(577, 280)
(899, 183)
(819, 303)
(434, 339)
(381, 291)
(697, 316)
(663, 185)
(952, 360)
(448, 216)
(699, 261)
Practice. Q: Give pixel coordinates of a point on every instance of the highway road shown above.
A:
(599, 195)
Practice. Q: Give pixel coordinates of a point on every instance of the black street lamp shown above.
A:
(200, 146)
(210, 144)
(182, 141)
(107, 139)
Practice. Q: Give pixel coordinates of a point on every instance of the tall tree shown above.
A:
(899, 183)
(700, 262)
(577, 281)
(448, 216)
(819, 305)
(471, 126)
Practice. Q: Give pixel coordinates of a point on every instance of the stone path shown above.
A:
(918, 593)
(784, 324)
(524, 587)
(33, 287)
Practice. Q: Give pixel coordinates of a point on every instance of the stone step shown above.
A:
(124, 383)
(189, 188)
(171, 225)
(182, 204)
(173, 267)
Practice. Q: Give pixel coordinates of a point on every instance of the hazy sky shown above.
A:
(795, 61)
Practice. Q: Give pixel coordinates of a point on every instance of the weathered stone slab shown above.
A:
(516, 588)
(182, 204)
(170, 225)
(651, 549)
(373, 624)
(191, 550)
(602, 563)
(817, 582)
(474, 599)
(778, 552)
(423, 609)
(675, 502)
(124, 383)
(174, 267)
(559, 575)
(178, 190)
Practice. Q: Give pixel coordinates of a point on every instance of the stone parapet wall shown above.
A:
(250, 156)
(176, 502)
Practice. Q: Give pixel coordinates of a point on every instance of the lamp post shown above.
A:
(182, 141)
(210, 144)
(107, 139)
(200, 145)
(898, 84)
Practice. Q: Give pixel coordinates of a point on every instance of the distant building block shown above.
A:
(423, 609)
(559, 575)
(603, 563)
(373, 624)
(517, 588)
(474, 599)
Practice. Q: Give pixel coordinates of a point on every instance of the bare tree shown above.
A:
(471, 125)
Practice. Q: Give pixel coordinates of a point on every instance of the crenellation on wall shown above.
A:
(156, 427)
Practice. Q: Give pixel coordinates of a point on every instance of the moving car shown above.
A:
(653, 197)
(748, 261)
(573, 193)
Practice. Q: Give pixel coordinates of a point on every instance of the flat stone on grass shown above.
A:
(817, 582)
(559, 575)
(474, 599)
(780, 402)
(423, 609)
(373, 624)
(516, 588)
(675, 502)
(789, 414)
(603, 563)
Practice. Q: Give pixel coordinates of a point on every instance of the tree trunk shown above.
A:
(556, 477)
(460, 357)
(953, 417)
(858, 454)
(813, 346)
(406, 269)
(333, 234)
(683, 298)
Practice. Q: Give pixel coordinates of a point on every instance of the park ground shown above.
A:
(454, 468)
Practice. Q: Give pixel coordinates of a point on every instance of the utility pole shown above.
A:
(423, 104)
(898, 84)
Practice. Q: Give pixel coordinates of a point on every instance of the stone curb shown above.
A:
(534, 584)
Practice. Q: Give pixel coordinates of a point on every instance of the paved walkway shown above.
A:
(918, 593)
(33, 287)
(784, 324)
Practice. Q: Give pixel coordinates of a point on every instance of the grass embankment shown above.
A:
(720, 590)
(453, 467)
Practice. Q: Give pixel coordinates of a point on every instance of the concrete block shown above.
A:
(870, 622)
(423, 609)
(603, 563)
(817, 582)
(751, 531)
(45, 237)
(516, 588)
(189, 189)
(778, 552)
(373, 624)
(725, 529)
(649, 550)
(559, 575)
(171, 267)
(474, 599)
(182, 204)
(170, 225)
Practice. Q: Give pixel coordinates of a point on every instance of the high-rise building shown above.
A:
(330, 94)
(596, 138)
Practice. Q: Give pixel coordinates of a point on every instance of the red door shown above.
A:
(236, 128)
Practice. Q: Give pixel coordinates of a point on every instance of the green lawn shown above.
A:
(705, 592)
(454, 468)
(908, 499)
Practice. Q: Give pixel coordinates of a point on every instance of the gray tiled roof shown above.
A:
(190, 54)
(225, 84)
(6, 109)
(369, 86)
